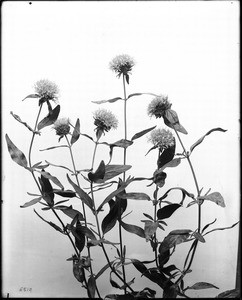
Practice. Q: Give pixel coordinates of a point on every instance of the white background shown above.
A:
(187, 50)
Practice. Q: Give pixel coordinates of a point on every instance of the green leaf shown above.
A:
(235, 293)
(52, 178)
(206, 226)
(32, 202)
(135, 196)
(222, 228)
(202, 138)
(16, 117)
(133, 229)
(99, 174)
(110, 100)
(171, 120)
(166, 211)
(166, 156)
(15, 153)
(72, 213)
(76, 133)
(50, 118)
(111, 218)
(79, 238)
(83, 195)
(141, 133)
(91, 284)
(112, 171)
(139, 94)
(86, 231)
(66, 193)
(214, 197)
(199, 237)
(121, 187)
(150, 229)
(47, 190)
(54, 147)
(201, 286)
(174, 238)
(32, 96)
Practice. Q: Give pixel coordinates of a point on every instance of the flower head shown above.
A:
(158, 106)
(122, 64)
(105, 120)
(161, 138)
(46, 89)
(62, 127)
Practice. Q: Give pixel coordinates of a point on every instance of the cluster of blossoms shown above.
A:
(158, 106)
(161, 138)
(62, 126)
(122, 64)
(105, 120)
(46, 89)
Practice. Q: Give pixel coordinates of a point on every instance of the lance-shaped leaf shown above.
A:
(166, 211)
(214, 197)
(65, 193)
(184, 194)
(86, 231)
(50, 118)
(141, 133)
(164, 256)
(32, 202)
(133, 229)
(223, 228)
(121, 143)
(111, 218)
(166, 156)
(76, 133)
(16, 117)
(16, 154)
(91, 287)
(202, 138)
(83, 195)
(120, 188)
(47, 190)
(171, 120)
(98, 174)
(109, 100)
(139, 94)
(79, 237)
(234, 293)
(174, 238)
(112, 171)
(32, 96)
(206, 226)
(150, 229)
(201, 286)
(72, 213)
(199, 237)
(52, 178)
(135, 196)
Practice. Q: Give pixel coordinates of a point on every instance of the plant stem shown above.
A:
(83, 207)
(199, 208)
(103, 248)
(32, 172)
(124, 174)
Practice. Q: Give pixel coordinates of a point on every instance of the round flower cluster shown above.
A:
(46, 89)
(122, 64)
(161, 138)
(158, 106)
(62, 126)
(105, 120)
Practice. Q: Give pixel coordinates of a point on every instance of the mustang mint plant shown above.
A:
(109, 187)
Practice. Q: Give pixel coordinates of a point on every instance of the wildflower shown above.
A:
(158, 106)
(46, 90)
(122, 64)
(161, 138)
(62, 127)
(105, 120)
(159, 178)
